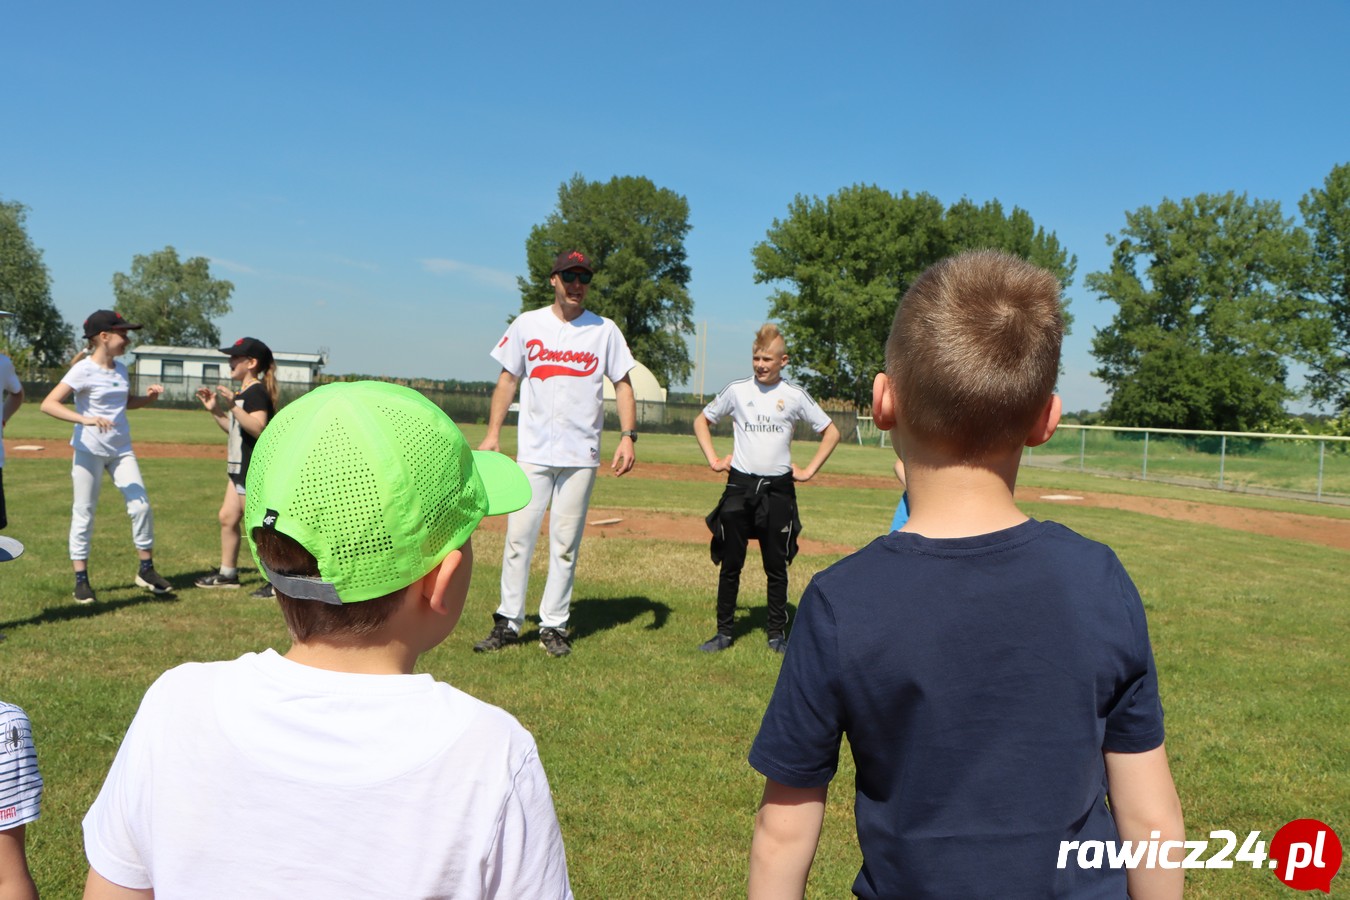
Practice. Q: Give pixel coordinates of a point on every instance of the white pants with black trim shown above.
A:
(566, 494)
(87, 474)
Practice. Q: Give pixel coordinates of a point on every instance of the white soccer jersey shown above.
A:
(101, 392)
(763, 416)
(20, 783)
(561, 367)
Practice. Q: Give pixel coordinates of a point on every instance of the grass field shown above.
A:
(644, 738)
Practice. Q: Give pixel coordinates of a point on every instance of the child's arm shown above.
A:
(787, 830)
(829, 439)
(1144, 800)
(151, 395)
(96, 887)
(703, 432)
(15, 881)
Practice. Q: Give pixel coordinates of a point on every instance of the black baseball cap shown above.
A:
(106, 320)
(252, 348)
(572, 259)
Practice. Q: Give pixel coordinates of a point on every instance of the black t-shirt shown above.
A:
(240, 448)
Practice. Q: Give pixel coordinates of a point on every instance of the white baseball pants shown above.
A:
(566, 493)
(87, 474)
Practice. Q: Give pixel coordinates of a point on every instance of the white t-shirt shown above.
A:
(101, 392)
(9, 384)
(561, 367)
(264, 778)
(763, 417)
(20, 783)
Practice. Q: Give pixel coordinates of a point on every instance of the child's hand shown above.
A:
(225, 394)
(721, 465)
(207, 397)
(800, 474)
(153, 391)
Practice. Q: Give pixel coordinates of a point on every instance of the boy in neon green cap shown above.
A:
(333, 770)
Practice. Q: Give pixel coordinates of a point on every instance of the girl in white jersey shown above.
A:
(101, 388)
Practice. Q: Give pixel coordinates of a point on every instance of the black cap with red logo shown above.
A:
(572, 259)
(252, 348)
(106, 320)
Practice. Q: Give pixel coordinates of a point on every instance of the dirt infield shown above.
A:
(637, 523)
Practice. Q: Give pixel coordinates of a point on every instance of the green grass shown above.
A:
(643, 737)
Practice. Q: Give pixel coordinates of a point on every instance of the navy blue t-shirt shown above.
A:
(978, 680)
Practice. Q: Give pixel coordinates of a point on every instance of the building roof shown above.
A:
(157, 350)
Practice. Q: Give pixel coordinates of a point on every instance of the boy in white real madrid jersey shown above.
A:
(760, 500)
(334, 770)
(559, 355)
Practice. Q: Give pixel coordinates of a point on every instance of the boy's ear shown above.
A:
(435, 584)
(1047, 420)
(883, 404)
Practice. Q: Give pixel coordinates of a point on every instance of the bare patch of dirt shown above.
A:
(643, 524)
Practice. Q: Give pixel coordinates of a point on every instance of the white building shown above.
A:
(183, 369)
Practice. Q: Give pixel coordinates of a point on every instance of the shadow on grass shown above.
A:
(72, 610)
(756, 619)
(592, 616)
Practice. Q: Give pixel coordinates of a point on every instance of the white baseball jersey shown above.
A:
(561, 367)
(763, 416)
(101, 392)
(20, 783)
(9, 384)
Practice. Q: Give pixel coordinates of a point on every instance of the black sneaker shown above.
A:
(716, 644)
(217, 580)
(152, 581)
(264, 593)
(500, 636)
(777, 643)
(84, 593)
(554, 640)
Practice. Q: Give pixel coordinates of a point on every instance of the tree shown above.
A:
(1326, 342)
(175, 301)
(1203, 331)
(36, 333)
(634, 233)
(848, 259)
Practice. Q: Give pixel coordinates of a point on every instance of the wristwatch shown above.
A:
(629, 434)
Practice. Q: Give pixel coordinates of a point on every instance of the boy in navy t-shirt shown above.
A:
(993, 673)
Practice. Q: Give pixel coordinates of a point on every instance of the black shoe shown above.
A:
(84, 593)
(500, 636)
(217, 580)
(716, 644)
(264, 593)
(777, 643)
(152, 581)
(554, 640)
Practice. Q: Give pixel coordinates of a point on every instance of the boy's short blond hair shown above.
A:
(973, 353)
(764, 338)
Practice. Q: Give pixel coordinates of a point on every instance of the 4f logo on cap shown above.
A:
(270, 520)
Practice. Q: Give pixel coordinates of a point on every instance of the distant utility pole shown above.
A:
(701, 354)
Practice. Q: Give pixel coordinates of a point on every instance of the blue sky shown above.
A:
(367, 174)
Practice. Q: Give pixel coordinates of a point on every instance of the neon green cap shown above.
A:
(377, 483)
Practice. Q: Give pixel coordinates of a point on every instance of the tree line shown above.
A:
(1217, 296)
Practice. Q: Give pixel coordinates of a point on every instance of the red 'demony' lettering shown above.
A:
(576, 363)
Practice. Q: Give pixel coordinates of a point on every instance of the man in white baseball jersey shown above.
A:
(563, 353)
(760, 500)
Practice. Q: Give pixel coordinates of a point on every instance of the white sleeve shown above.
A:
(618, 359)
(9, 379)
(719, 406)
(75, 377)
(528, 860)
(112, 832)
(510, 350)
(812, 413)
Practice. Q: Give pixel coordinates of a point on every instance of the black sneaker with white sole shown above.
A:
(217, 580)
(264, 593)
(152, 581)
(500, 636)
(554, 641)
(84, 593)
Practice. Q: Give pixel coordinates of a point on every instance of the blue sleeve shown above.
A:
(798, 741)
(1134, 723)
